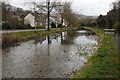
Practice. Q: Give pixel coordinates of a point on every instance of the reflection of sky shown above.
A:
(82, 31)
(84, 40)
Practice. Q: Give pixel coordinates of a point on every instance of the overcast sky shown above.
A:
(87, 7)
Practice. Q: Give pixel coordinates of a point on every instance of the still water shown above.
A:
(57, 55)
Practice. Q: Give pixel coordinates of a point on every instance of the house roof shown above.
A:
(29, 15)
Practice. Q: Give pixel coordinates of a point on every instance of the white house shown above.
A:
(29, 19)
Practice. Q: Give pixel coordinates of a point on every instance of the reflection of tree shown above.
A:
(56, 37)
(48, 40)
(71, 35)
(40, 39)
(48, 50)
(36, 49)
(68, 39)
(61, 37)
(48, 46)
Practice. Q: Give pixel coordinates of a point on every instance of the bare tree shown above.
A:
(47, 6)
(69, 15)
(60, 10)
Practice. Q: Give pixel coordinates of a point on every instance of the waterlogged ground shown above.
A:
(55, 56)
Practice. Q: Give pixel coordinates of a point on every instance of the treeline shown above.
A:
(89, 21)
(112, 19)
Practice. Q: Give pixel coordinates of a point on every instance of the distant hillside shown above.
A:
(15, 10)
(81, 16)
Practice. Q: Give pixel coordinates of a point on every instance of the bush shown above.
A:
(5, 26)
(28, 26)
(53, 25)
(117, 27)
(40, 27)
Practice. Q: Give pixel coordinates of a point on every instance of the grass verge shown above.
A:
(104, 63)
(11, 38)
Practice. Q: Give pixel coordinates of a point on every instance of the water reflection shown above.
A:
(53, 56)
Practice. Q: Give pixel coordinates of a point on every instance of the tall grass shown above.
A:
(104, 63)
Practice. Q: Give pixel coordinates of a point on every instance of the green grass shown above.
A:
(11, 38)
(104, 63)
(40, 33)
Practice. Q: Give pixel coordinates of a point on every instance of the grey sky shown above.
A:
(87, 7)
(92, 7)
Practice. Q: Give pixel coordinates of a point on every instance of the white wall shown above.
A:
(29, 19)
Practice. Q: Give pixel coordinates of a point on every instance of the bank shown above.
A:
(104, 63)
(11, 39)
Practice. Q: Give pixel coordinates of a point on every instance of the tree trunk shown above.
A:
(48, 16)
(61, 21)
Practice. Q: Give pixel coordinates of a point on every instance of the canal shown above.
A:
(57, 55)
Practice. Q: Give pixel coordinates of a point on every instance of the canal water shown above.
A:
(57, 55)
